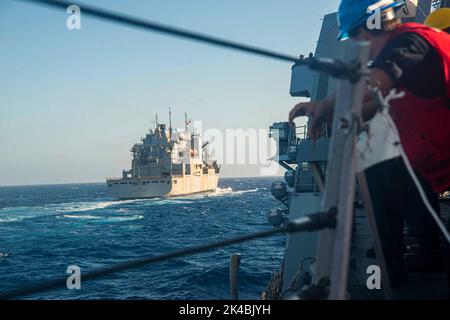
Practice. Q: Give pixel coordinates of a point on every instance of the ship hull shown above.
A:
(162, 187)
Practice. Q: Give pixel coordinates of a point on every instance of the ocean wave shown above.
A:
(81, 217)
(104, 219)
(92, 230)
(17, 214)
(181, 200)
(90, 206)
(220, 191)
(123, 218)
(10, 219)
(72, 206)
(246, 191)
(230, 191)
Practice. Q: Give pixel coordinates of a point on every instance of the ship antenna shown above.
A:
(170, 123)
(187, 122)
(156, 120)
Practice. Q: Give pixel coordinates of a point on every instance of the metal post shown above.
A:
(235, 259)
(333, 249)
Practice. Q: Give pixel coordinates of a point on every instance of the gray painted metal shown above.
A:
(299, 245)
(303, 245)
(302, 81)
(309, 83)
(334, 245)
(308, 152)
(327, 47)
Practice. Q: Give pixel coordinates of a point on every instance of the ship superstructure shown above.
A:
(167, 163)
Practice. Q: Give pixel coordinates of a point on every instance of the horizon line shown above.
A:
(101, 182)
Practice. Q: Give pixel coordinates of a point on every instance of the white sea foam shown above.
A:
(123, 218)
(104, 219)
(245, 191)
(81, 217)
(229, 191)
(90, 206)
(16, 214)
(69, 210)
(10, 219)
(223, 190)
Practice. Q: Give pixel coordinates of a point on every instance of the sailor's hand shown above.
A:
(322, 113)
(302, 109)
(318, 112)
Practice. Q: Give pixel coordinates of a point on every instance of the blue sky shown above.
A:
(73, 102)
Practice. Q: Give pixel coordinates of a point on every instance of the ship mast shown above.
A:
(170, 123)
(156, 120)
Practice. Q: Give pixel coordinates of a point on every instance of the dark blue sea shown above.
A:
(44, 229)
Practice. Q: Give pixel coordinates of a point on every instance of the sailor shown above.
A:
(415, 59)
(439, 19)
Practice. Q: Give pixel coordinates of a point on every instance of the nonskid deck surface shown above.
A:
(420, 286)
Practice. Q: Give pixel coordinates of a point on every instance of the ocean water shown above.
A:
(44, 229)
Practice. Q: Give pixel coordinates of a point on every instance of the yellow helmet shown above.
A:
(439, 19)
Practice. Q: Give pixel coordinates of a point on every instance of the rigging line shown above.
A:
(312, 222)
(165, 29)
(385, 102)
(426, 202)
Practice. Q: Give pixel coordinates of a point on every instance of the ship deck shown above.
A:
(420, 286)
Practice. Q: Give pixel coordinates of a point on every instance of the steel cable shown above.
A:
(165, 29)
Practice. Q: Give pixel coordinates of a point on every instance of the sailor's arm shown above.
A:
(321, 111)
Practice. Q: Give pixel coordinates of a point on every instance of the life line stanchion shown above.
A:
(235, 260)
(333, 249)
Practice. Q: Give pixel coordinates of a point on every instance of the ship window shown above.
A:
(123, 183)
(168, 182)
(162, 181)
(116, 183)
(109, 185)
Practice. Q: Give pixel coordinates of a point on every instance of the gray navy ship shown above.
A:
(167, 163)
